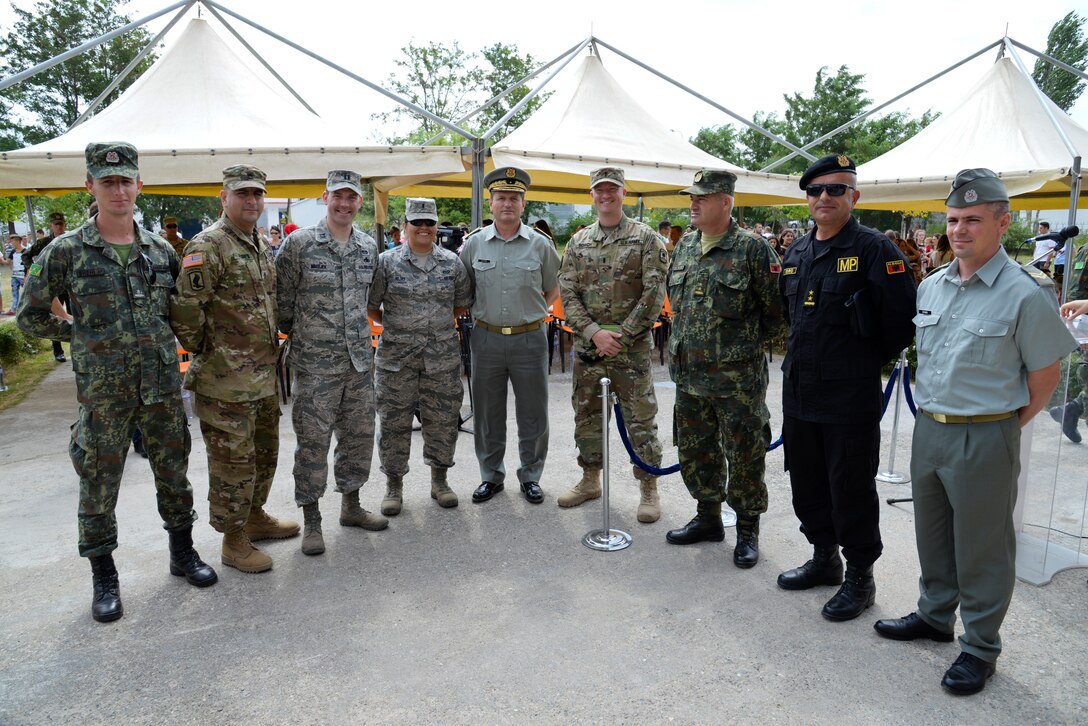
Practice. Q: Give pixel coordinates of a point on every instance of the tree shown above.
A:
(1067, 43)
(720, 141)
(154, 207)
(507, 67)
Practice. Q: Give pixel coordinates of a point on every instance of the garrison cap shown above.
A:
(57, 218)
(343, 179)
(420, 208)
(611, 174)
(712, 181)
(507, 179)
(112, 158)
(830, 164)
(976, 186)
(243, 176)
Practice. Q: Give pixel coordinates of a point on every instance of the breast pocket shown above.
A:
(835, 292)
(94, 300)
(983, 338)
(484, 271)
(528, 274)
(729, 291)
(925, 323)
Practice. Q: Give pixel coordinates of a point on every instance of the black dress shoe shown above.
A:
(967, 675)
(910, 627)
(703, 528)
(532, 491)
(485, 491)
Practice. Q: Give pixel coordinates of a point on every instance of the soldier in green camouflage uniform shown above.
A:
(324, 273)
(225, 315)
(612, 284)
(419, 288)
(57, 226)
(1070, 414)
(118, 278)
(723, 285)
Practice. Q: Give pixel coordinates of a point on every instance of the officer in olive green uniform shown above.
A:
(119, 279)
(225, 315)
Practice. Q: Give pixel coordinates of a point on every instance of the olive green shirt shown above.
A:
(510, 277)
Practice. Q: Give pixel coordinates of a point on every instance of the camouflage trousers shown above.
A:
(1082, 376)
(327, 404)
(633, 384)
(243, 443)
(720, 440)
(403, 384)
(99, 447)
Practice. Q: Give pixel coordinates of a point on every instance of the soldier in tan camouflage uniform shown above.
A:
(324, 273)
(225, 315)
(118, 279)
(612, 283)
(418, 289)
(170, 234)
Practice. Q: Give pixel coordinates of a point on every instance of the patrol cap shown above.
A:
(611, 174)
(57, 218)
(712, 181)
(976, 186)
(507, 179)
(167, 221)
(420, 208)
(830, 164)
(344, 179)
(243, 176)
(112, 158)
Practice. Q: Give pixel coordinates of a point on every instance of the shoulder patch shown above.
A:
(895, 267)
(35, 270)
(776, 268)
(194, 260)
(1041, 278)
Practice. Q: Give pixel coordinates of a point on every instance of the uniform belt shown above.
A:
(984, 418)
(510, 329)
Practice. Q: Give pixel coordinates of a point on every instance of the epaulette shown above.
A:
(474, 231)
(1041, 278)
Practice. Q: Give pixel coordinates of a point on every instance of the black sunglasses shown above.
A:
(422, 222)
(171, 226)
(833, 190)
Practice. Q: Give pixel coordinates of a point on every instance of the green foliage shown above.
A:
(507, 67)
(563, 235)
(15, 345)
(1067, 43)
(154, 207)
(721, 141)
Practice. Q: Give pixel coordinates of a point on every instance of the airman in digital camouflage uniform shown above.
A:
(324, 273)
(612, 284)
(418, 289)
(723, 284)
(119, 279)
(225, 315)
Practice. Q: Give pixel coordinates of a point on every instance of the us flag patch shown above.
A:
(194, 260)
(895, 267)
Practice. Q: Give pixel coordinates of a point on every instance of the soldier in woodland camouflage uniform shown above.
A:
(723, 284)
(612, 283)
(225, 315)
(419, 287)
(118, 279)
(1070, 414)
(324, 273)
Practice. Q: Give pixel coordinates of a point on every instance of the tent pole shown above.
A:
(30, 223)
(1051, 60)
(478, 155)
(1070, 245)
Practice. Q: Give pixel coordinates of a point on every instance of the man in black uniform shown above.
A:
(849, 300)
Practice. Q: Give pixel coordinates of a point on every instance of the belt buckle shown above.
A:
(939, 417)
(506, 331)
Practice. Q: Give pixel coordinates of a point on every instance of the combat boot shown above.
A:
(312, 541)
(353, 515)
(393, 501)
(746, 553)
(106, 605)
(1068, 416)
(262, 525)
(588, 487)
(239, 553)
(825, 568)
(184, 561)
(857, 593)
(705, 527)
(440, 488)
(649, 506)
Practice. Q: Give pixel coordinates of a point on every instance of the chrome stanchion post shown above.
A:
(607, 539)
(890, 476)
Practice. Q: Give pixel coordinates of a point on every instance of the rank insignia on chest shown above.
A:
(848, 264)
(810, 299)
(789, 271)
(775, 268)
(895, 267)
(194, 260)
(699, 290)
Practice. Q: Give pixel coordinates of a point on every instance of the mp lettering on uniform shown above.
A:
(848, 264)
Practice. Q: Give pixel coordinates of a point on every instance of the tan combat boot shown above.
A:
(239, 553)
(589, 487)
(353, 515)
(393, 492)
(649, 507)
(312, 541)
(262, 525)
(440, 489)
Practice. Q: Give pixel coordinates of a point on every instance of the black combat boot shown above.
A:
(746, 553)
(185, 561)
(706, 527)
(825, 568)
(106, 605)
(857, 593)
(1068, 416)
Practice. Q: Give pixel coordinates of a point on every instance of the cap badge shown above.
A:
(698, 177)
(843, 161)
(112, 157)
(511, 173)
(970, 196)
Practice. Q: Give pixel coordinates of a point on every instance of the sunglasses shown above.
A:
(833, 190)
(423, 223)
(171, 226)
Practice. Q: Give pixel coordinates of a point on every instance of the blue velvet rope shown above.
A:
(656, 471)
(908, 394)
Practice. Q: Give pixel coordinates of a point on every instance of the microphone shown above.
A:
(1065, 234)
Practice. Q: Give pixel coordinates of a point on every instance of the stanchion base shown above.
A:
(609, 541)
(890, 477)
(729, 517)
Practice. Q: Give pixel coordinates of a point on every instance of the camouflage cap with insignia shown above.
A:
(712, 181)
(611, 174)
(976, 186)
(420, 208)
(243, 176)
(57, 218)
(167, 221)
(112, 158)
(344, 179)
(507, 179)
(830, 164)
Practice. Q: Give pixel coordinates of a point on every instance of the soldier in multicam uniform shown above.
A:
(612, 283)
(723, 285)
(170, 234)
(225, 315)
(119, 279)
(418, 289)
(324, 273)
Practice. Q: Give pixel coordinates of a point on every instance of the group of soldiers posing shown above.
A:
(843, 292)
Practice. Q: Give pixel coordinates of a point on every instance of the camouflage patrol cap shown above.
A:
(344, 179)
(57, 218)
(611, 174)
(112, 158)
(420, 208)
(243, 176)
(976, 186)
(167, 221)
(830, 164)
(712, 181)
(507, 179)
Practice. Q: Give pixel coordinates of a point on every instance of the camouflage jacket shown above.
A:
(224, 313)
(1078, 283)
(726, 307)
(322, 296)
(123, 351)
(616, 279)
(417, 306)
